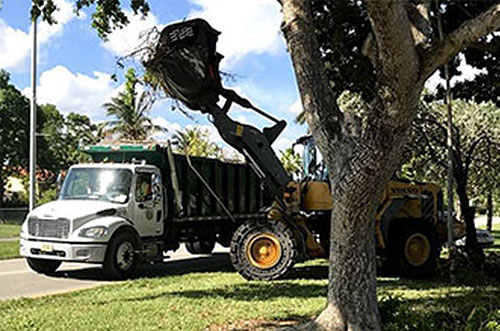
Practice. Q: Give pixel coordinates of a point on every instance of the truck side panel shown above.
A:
(235, 184)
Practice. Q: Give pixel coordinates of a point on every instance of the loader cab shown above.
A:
(314, 169)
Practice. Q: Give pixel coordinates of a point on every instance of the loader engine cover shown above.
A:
(185, 63)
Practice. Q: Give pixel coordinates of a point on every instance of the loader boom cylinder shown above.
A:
(256, 148)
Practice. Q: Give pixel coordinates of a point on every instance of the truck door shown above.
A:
(148, 205)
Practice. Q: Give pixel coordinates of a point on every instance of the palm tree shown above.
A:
(196, 142)
(130, 110)
(292, 162)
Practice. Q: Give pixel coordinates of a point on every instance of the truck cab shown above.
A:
(102, 214)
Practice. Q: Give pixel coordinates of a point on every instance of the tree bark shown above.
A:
(361, 157)
(360, 153)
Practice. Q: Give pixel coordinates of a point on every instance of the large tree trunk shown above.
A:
(362, 153)
(357, 185)
(361, 156)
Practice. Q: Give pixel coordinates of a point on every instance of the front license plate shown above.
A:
(47, 248)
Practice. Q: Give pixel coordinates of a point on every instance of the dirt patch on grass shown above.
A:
(257, 325)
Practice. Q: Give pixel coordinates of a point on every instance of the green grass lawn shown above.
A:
(9, 230)
(9, 250)
(197, 300)
(194, 300)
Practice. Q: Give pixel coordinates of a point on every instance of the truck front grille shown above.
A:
(49, 228)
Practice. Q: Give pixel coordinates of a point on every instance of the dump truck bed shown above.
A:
(236, 184)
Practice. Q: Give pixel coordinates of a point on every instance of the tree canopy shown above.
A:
(196, 142)
(107, 14)
(59, 137)
(130, 111)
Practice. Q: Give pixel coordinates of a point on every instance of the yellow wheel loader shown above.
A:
(409, 232)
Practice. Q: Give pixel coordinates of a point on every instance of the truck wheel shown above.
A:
(43, 266)
(263, 250)
(415, 250)
(200, 247)
(121, 256)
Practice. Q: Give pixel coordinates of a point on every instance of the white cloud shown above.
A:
(64, 14)
(296, 107)
(15, 48)
(171, 127)
(467, 73)
(246, 26)
(75, 92)
(123, 41)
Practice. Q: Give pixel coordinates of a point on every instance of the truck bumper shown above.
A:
(92, 253)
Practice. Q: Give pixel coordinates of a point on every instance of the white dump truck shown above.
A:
(137, 202)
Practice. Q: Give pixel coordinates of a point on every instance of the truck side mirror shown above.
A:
(59, 181)
(157, 188)
(157, 184)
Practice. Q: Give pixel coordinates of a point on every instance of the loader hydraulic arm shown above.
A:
(185, 64)
(255, 146)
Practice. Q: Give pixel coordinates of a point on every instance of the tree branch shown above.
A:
(434, 155)
(397, 56)
(470, 152)
(466, 34)
(440, 126)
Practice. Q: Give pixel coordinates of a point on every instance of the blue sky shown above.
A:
(74, 65)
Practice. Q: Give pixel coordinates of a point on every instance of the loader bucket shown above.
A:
(185, 63)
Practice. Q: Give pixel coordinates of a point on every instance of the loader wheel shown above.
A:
(264, 250)
(415, 250)
(200, 247)
(43, 266)
(122, 256)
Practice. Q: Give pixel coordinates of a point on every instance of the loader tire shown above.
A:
(413, 249)
(262, 250)
(200, 247)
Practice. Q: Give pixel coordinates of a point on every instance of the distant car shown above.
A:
(484, 238)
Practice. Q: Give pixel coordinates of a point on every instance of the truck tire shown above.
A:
(264, 250)
(121, 258)
(200, 247)
(414, 248)
(43, 266)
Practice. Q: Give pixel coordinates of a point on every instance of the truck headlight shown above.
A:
(94, 232)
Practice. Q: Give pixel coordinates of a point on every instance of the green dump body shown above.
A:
(237, 185)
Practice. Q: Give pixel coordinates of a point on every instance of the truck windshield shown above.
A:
(111, 185)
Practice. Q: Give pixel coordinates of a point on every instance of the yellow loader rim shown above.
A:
(263, 250)
(417, 249)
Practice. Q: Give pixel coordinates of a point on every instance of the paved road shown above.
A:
(17, 280)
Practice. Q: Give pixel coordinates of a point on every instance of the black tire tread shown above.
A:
(290, 250)
(200, 247)
(110, 269)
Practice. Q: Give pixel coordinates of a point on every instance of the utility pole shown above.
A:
(32, 156)
(489, 203)
(449, 146)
